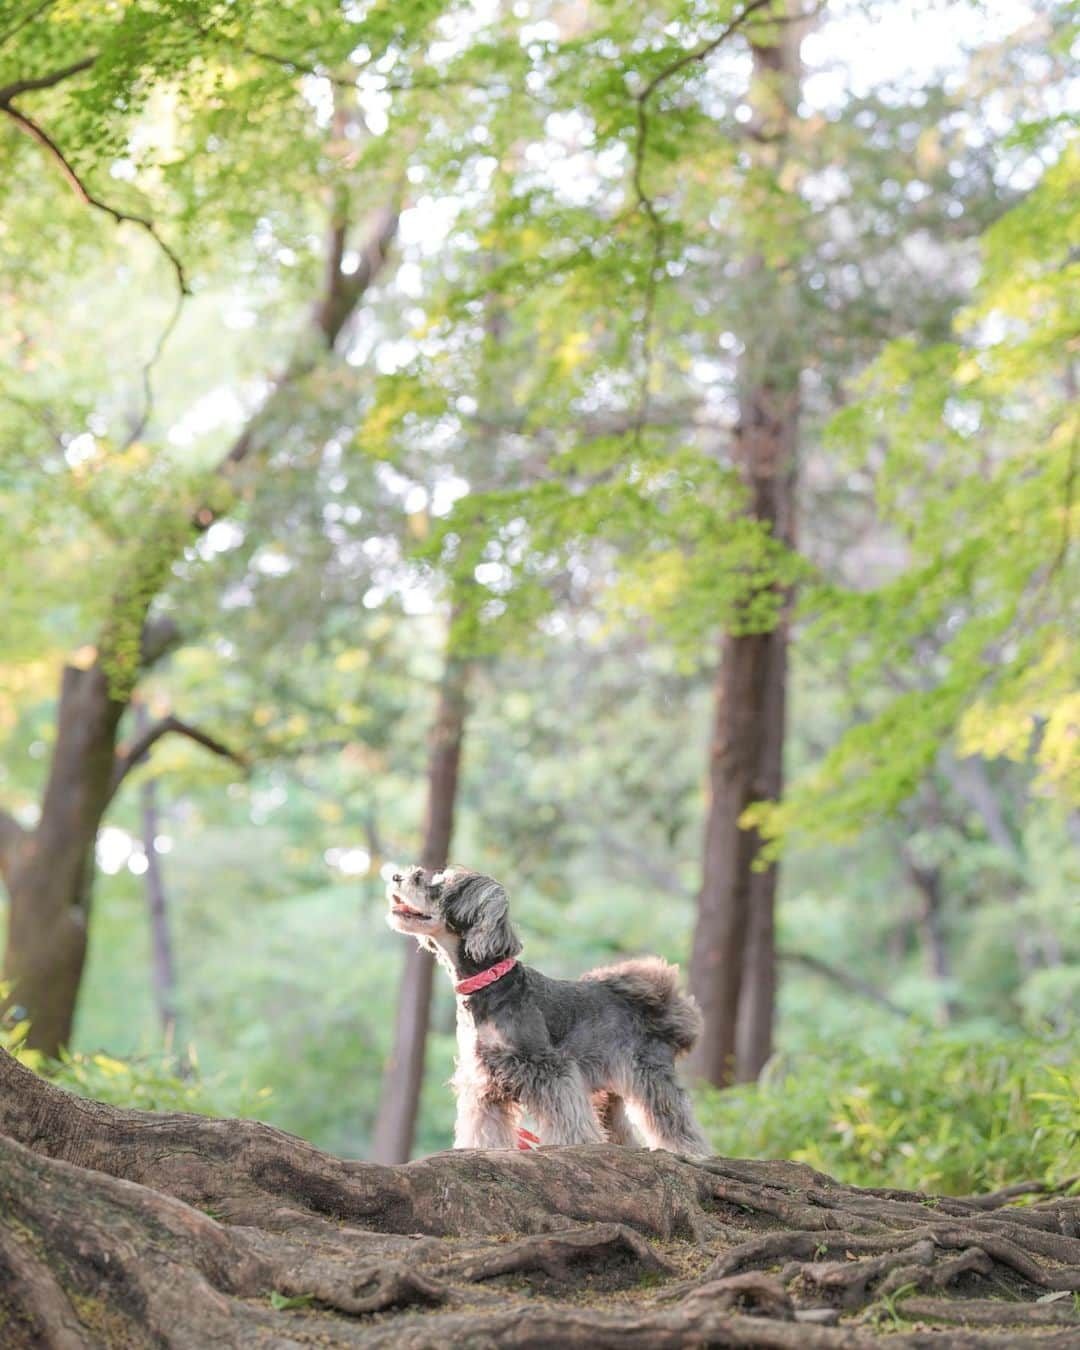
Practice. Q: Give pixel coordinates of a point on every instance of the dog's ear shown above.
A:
(485, 909)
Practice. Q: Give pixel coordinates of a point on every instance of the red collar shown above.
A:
(486, 977)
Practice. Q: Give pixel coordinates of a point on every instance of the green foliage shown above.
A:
(940, 1113)
(981, 445)
(144, 1082)
(282, 1303)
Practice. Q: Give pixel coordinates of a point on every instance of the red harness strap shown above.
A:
(486, 977)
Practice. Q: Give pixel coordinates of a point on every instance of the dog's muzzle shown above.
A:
(404, 911)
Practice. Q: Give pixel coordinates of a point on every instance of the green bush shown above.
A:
(146, 1082)
(935, 1112)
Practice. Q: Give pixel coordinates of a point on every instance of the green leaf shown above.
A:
(282, 1303)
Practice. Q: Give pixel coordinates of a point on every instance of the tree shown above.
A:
(670, 520)
(164, 966)
(658, 229)
(48, 868)
(978, 457)
(733, 959)
(399, 1101)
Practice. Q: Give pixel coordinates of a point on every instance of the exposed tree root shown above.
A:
(190, 1232)
(248, 1173)
(985, 1312)
(560, 1254)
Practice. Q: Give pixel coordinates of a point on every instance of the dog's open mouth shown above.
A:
(406, 911)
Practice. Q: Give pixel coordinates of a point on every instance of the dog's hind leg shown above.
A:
(661, 1110)
(563, 1108)
(611, 1109)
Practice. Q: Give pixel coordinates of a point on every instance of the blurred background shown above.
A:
(629, 450)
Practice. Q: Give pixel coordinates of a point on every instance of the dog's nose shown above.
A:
(396, 878)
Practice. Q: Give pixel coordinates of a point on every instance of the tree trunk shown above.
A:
(757, 998)
(399, 1102)
(49, 887)
(926, 882)
(716, 960)
(733, 958)
(1037, 946)
(163, 968)
(49, 872)
(127, 1228)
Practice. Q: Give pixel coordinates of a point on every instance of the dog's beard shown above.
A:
(401, 922)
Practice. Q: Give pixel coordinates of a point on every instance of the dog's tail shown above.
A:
(652, 986)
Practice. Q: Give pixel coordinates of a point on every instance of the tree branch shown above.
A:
(139, 425)
(970, 780)
(39, 134)
(50, 81)
(293, 67)
(341, 294)
(702, 52)
(136, 752)
(384, 227)
(160, 636)
(845, 979)
(150, 566)
(643, 868)
(289, 64)
(646, 204)
(25, 19)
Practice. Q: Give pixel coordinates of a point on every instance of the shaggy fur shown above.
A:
(588, 1059)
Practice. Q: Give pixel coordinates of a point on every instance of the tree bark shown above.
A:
(926, 882)
(49, 888)
(129, 1228)
(399, 1101)
(163, 967)
(716, 960)
(757, 997)
(733, 958)
(1036, 945)
(49, 874)
(851, 984)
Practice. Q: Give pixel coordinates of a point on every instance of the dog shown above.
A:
(589, 1059)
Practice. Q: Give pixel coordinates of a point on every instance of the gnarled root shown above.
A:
(122, 1228)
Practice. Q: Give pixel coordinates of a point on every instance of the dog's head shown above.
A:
(466, 906)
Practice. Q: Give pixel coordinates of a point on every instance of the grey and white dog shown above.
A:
(588, 1059)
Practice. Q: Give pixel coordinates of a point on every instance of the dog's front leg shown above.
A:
(482, 1121)
(486, 1118)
